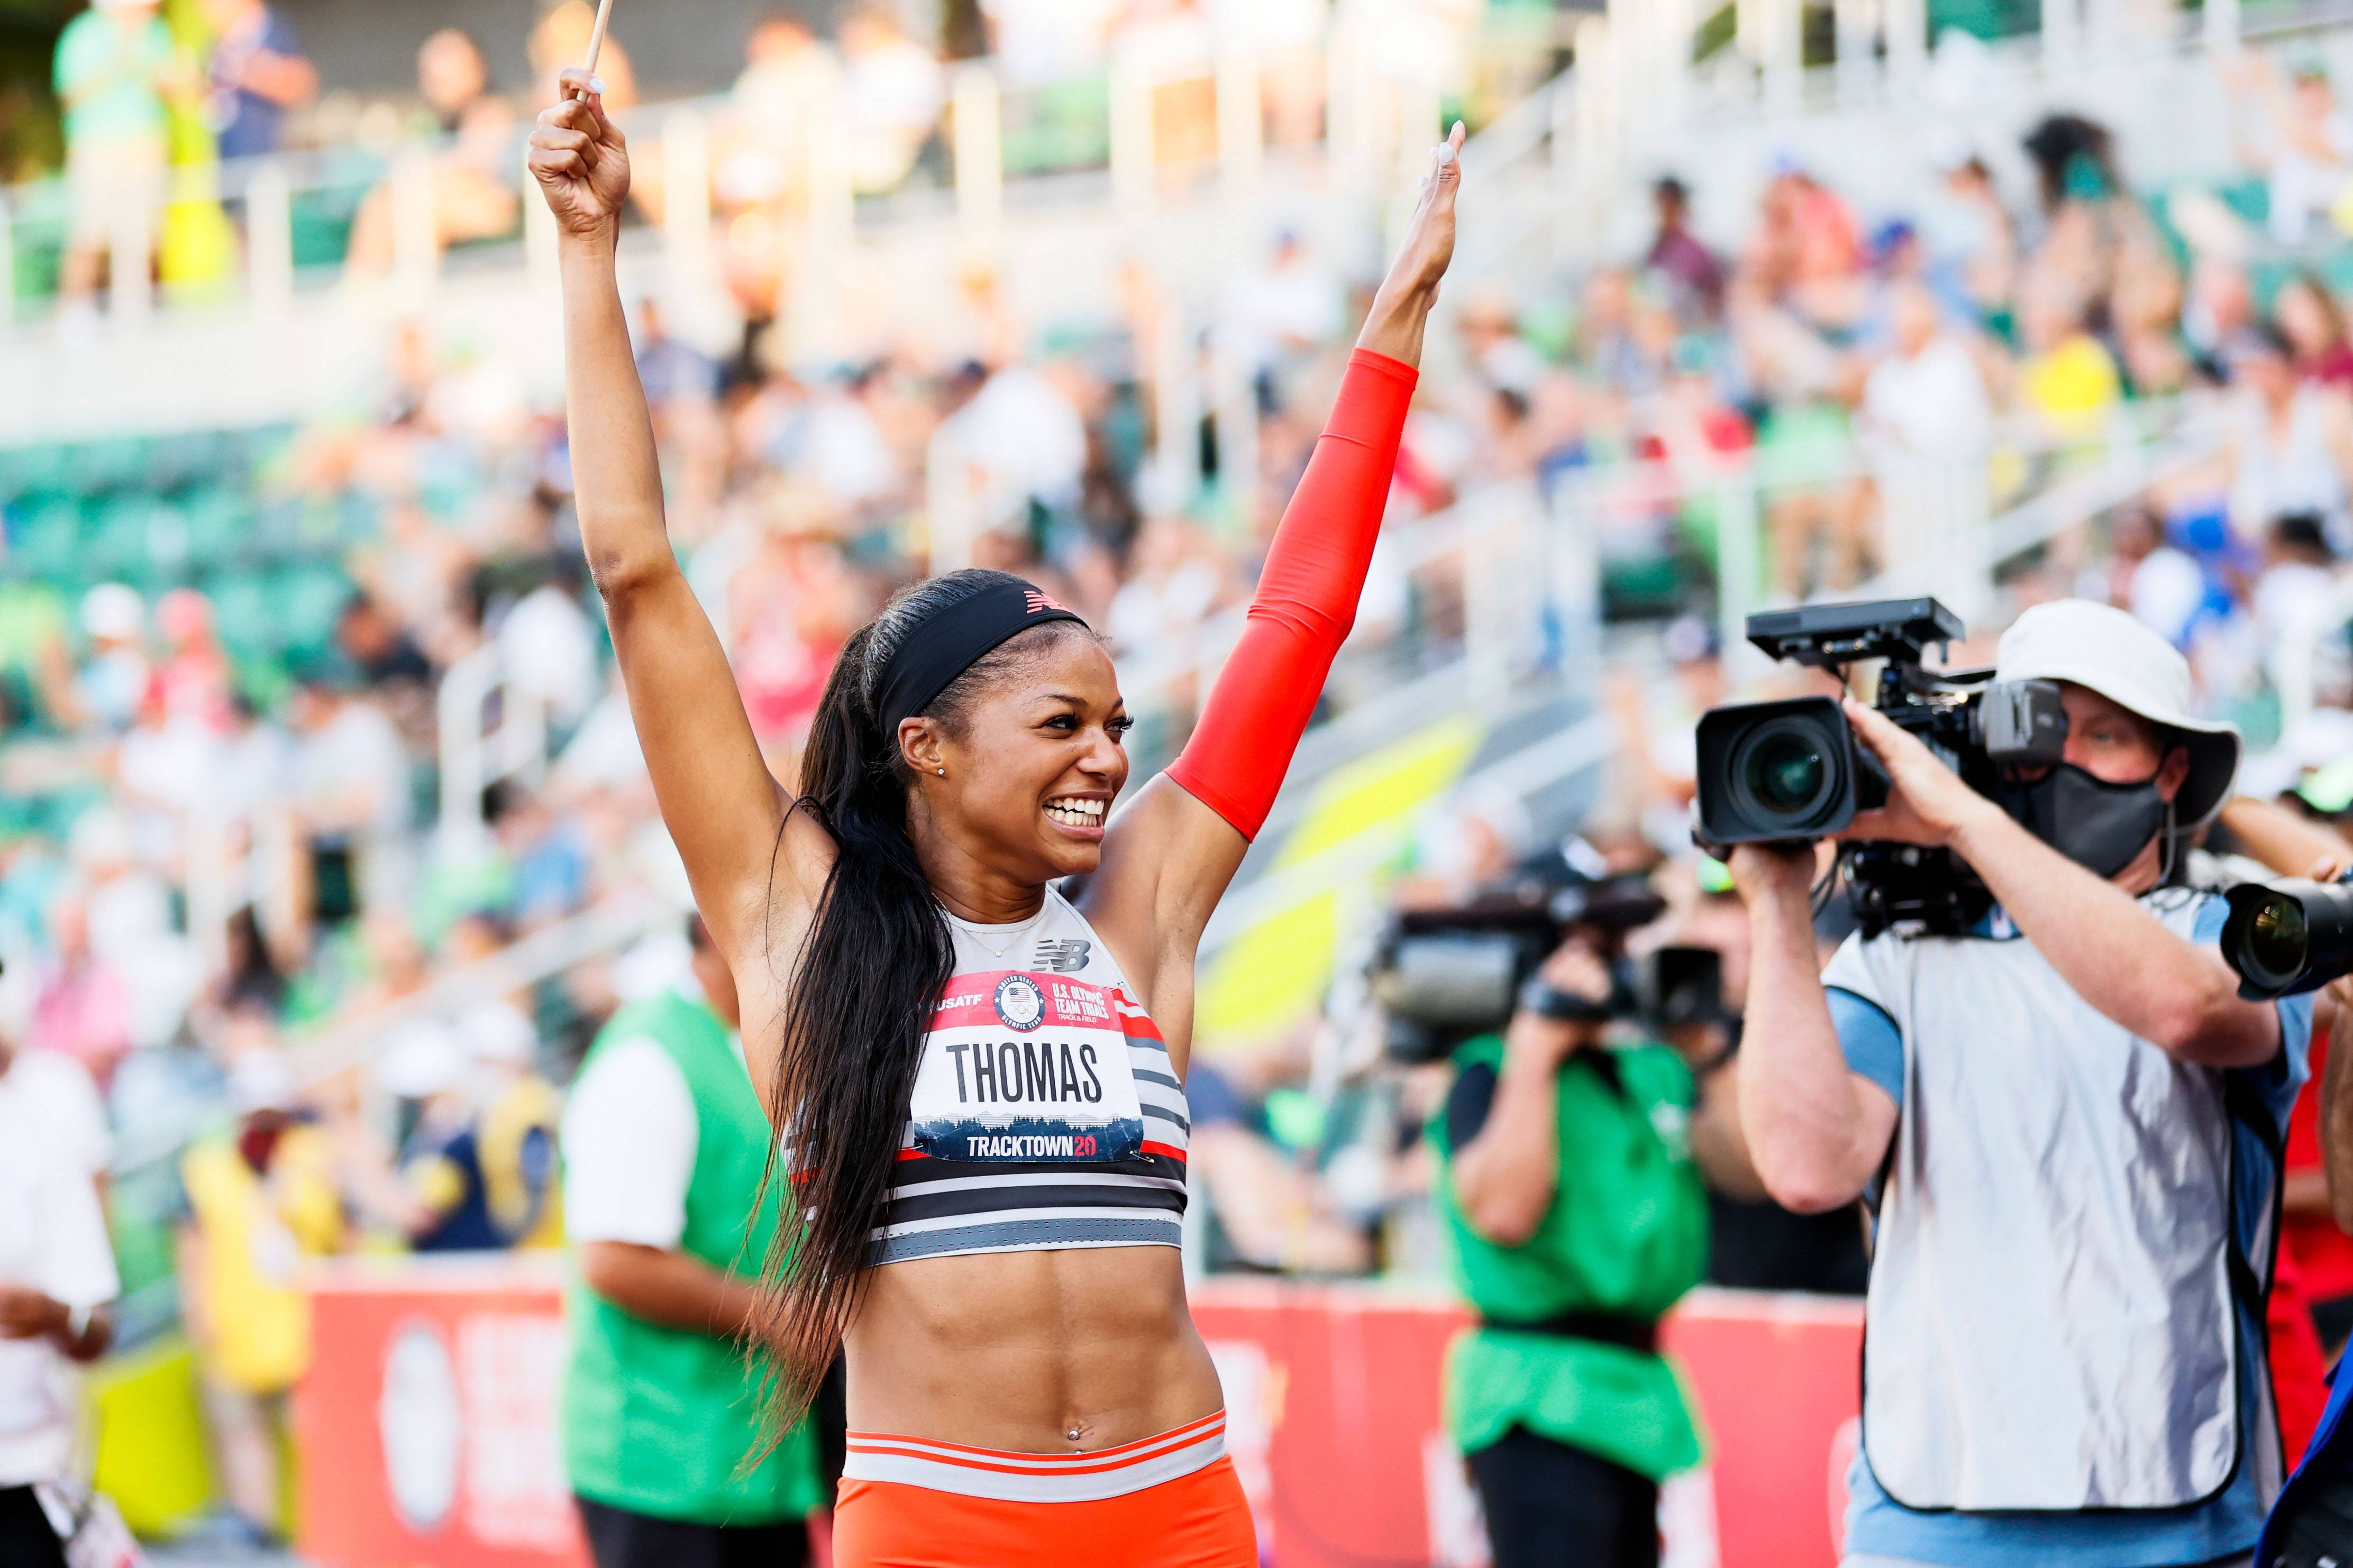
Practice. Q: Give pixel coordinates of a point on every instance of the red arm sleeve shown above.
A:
(1307, 602)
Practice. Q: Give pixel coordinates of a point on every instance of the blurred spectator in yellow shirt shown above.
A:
(261, 1198)
(2067, 379)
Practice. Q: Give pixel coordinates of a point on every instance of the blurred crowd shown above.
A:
(229, 840)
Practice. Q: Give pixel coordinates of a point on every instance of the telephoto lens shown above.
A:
(2285, 937)
(1786, 771)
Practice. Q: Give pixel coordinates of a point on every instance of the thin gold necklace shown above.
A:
(1020, 930)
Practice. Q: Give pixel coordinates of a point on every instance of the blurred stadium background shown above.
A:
(316, 791)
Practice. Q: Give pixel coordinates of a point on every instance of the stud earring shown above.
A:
(942, 772)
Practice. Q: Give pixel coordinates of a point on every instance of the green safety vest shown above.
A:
(1626, 1234)
(660, 1421)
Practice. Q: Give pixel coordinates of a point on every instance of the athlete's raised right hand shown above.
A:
(581, 159)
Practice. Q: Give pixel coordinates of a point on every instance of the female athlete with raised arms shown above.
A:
(978, 1085)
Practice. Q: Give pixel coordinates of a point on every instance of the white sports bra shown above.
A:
(1046, 1113)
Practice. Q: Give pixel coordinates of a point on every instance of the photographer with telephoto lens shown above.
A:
(1575, 1217)
(2067, 1121)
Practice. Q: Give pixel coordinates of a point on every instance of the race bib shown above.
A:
(1027, 1067)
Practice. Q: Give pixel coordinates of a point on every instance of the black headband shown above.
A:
(953, 639)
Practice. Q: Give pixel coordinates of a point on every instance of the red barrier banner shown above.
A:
(427, 1427)
(425, 1430)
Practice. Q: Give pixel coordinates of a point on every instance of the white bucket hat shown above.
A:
(2103, 648)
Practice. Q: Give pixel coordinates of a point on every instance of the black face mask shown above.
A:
(2099, 826)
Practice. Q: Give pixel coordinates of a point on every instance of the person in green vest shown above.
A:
(1575, 1217)
(665, 1145)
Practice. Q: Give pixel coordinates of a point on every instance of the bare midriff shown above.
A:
(1016, 1351)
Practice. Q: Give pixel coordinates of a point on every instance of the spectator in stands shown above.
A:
(1269, 1210)
(2066, 378)
(2291, 442)
(452, 77)
(446, 1195)
(1281, 309)
(1973, 233)
(83, 1007)
(1806, 253)
(113, 679)
(57, 1275)
(778, 108)
(1681, 256)
(2306, 148)
(379, 647)
(116, 67)
(1926, 429)
(546, 645)
(474, 192)
(2221, 308)
(2145, 318)
(193, 678)
(261, 1198)
(892, 91)
(351, 794)
(560, 39)
(2314, 324)
(2162, 586)
(668, 1207)
(257, 74)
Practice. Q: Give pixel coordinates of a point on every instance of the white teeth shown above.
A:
(1076, 813)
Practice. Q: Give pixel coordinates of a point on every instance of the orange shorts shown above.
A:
(1170, 1502)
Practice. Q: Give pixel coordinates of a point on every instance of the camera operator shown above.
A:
(2069, 1124)
(1575, 1217)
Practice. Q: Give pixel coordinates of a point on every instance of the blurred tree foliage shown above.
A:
(30, 141)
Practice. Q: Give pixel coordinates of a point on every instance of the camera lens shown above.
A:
(2278, 939)
(1786, 771)
(1772, 773)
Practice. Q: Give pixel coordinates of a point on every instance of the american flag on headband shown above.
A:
(1041, 603)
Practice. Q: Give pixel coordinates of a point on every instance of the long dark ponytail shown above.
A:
(864, 982)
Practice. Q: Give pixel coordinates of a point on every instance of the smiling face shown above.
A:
(1034, 756)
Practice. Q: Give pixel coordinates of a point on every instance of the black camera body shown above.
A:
(1792, 772)
(1442, 976)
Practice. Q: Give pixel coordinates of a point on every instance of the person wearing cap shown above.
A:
(2068, 1125)
(666, 1147)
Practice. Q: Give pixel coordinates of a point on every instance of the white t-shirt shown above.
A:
(52, 1238)
(631, 1132)
(1934, 404)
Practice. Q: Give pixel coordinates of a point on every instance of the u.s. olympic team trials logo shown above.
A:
(1019, 1002)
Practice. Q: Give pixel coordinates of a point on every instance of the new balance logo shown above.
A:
(1063, 957)
(1041, 603)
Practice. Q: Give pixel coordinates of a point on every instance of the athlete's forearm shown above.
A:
(616, 480)
(1306, 601)
(2114, 954)
(1394, 325)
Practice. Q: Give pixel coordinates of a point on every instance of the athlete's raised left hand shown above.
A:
(1402, 305)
